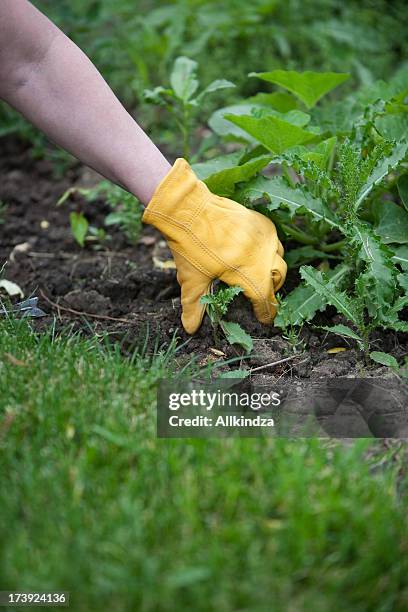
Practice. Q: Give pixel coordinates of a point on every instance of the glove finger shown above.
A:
(194, 284)
(262, 297)
(279, 270)
(261, 293)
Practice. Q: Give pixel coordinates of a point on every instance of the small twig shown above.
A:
(81, 313)
(273, 363)
(51, 255)
(63, 255)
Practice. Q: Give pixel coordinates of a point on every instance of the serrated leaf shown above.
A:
(399, 326)
(321, 283)
(403, 190)
(379, 278)
(183, 78)
(321, 153)
(403, 282)
(236, 335)
(343, 330)
(308, 86)
(298, 200)
(221, 174)
(382, 169)
(401, 256)
(384, 359)
(391, 222)
(390, 318)
(303, 303)
(273, 133)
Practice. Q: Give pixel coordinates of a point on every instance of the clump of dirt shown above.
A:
(122, 288)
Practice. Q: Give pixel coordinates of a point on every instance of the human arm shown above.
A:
(47, 78)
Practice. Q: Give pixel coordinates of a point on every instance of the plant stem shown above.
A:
(334, 246)
(299, 235)
(186, 132)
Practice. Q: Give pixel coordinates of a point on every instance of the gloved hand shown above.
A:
(213, 237)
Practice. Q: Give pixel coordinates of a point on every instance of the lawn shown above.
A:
(93, 503)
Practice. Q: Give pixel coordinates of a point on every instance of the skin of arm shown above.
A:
(50, 81)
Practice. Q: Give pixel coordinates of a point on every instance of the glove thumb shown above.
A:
(194, 284)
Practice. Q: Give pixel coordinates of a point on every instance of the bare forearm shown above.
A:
(54, 85)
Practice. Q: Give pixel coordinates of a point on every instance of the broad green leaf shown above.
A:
(391, 222)
(308, 86)
(79, 227)
(384, 359)
(279, 100)
(215, 86)
(223, 127)
(378, 280)
(304, 302)
(382, 169)
(343, 330)
(403, 190)
(321, 284)
(276, 135)
(236, 335)
(304, 254)
(221, 174)
(393, 127)
(298, 200)
(401, 256)
(183, 78)
(217, 164)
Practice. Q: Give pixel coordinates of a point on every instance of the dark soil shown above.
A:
(118, 280)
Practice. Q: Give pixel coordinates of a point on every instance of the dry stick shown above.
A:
(273, 363)
(63, 255)
(81, 313)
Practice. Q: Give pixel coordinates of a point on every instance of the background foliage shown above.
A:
(134, 44)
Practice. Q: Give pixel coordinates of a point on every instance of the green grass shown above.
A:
(93, 503)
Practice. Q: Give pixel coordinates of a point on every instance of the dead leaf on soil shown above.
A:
(11, 288)
(217, 352)
(206, 360)
(148, 240)
(169, 264)
(23, 247)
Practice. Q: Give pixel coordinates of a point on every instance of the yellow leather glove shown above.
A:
(213, 237)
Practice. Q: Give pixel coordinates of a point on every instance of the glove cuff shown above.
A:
(178, 198)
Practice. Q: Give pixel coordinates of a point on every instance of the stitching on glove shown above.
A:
(194, 263)
(219, 259)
